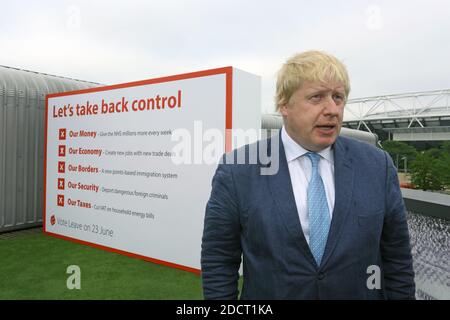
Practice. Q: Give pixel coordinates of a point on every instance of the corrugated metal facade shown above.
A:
(22, 103)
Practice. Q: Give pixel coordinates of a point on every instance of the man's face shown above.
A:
(313, 115)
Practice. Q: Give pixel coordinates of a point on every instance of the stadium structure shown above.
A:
(417, 117)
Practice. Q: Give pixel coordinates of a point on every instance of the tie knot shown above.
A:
(314, 157)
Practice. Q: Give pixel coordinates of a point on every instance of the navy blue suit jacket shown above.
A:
(254, 216)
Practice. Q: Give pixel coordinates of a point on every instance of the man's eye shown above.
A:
(316, 97)
(339, 97)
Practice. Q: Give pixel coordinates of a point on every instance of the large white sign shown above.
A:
(128, 167)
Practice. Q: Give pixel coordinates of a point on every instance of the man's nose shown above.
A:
(331, 107)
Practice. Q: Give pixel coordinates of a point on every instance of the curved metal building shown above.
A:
(22, 103)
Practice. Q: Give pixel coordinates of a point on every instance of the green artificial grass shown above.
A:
(34, 267)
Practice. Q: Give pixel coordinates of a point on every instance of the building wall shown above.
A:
(22, 103)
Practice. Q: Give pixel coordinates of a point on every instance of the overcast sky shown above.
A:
(393, 46)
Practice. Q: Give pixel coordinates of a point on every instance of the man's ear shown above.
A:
(283, 110)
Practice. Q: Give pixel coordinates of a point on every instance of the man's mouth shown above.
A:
(326, 127)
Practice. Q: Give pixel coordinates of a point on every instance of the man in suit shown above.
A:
(329, 224)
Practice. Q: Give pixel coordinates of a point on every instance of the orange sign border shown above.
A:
(228, 71)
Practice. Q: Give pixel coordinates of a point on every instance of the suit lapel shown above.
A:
(343, 182)
(282, 192)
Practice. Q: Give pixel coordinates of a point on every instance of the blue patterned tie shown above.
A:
(319, 216)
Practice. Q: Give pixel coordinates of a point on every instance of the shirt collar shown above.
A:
(293, 150)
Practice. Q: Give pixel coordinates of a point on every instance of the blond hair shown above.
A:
(309, 66)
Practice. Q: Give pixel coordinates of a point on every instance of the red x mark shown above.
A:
(61, 167)
(60, 200)
(62, 134)
(62, 151)
(61, 183)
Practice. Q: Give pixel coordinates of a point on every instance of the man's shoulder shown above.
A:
(361, 150)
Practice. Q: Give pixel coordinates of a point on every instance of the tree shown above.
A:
(445, 169)
(435, 152)
(426, 172)
(445, 147)
(398, 150)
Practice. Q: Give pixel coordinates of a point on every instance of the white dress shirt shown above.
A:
(300, 172)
